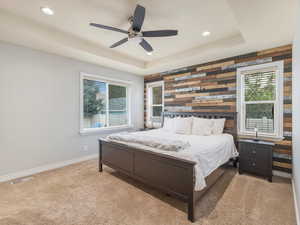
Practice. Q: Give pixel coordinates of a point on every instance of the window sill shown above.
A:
(103, 130)
(262, 138)
(153, 125)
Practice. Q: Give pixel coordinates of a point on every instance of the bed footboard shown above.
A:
(169, 174)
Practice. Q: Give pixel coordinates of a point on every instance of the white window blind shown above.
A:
(260, 99)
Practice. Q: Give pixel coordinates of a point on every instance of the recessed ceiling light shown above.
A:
(205, 33)
(47, 11)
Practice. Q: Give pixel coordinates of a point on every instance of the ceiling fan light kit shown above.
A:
(205, 33)
(47, 11)
(135, 31)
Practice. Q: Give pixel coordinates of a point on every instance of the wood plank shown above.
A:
(222, 93)
(212, 110)
(288, 61)
(169, 100)
(284, 142)
(283, 151)
(229, 124)
(228, 63)
(287, 106)
(211, 104)
(225, 75)
(208, 101)
(283, 165)
(150, 77)
(186, 83)
(275, 54)
(209, 70)
(288, 125)
(287, 74)
(191, 95)
(277, 49)
(220, 86)
(172, 77)
(190, 84)
(287, 120)
(287, 88)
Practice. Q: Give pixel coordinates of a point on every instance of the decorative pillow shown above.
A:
(183, 125)
(169, 124)
(218, 126)
(202, 126)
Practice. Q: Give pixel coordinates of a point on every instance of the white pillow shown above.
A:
(183, 125)
(202, 126)
(218, 126)
(169, 124)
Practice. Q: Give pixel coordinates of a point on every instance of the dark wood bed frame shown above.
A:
(171, 175)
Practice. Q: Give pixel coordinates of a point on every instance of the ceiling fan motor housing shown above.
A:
(135, 32)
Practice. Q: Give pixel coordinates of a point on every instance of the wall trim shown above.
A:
(296, 204)
(47, 167)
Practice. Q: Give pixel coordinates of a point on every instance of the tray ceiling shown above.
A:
(235, 27)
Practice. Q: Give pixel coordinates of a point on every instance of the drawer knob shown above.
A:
(253, 164)
(253, 152)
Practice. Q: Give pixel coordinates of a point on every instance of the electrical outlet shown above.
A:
(84, 148)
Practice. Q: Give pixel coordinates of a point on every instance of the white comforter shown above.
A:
(209, 152)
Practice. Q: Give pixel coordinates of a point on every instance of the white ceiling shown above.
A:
(236, 26)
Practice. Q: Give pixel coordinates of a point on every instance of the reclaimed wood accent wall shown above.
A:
(211, 87)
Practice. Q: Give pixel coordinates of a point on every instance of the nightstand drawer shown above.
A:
(250, 151)
(254, 165)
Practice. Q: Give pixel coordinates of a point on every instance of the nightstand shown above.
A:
(256, 157)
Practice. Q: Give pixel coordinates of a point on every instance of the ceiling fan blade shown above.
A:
(138, 18)
(119, 43)
(108, 28)
(160, 33)
(146, 45)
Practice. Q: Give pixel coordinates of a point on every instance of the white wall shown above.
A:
(296, 112)
(39, 108)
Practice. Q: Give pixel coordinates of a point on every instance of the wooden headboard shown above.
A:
(230, 124)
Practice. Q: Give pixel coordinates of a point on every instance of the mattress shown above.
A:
(208, 152)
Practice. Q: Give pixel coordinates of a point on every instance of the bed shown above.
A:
(153, 167)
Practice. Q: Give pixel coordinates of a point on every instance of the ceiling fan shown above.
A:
(135, 30)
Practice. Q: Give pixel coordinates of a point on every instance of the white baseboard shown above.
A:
(39, 169)
(296, 203)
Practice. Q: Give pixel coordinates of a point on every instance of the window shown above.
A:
(155, 103)
(104, 104)
(260, 99)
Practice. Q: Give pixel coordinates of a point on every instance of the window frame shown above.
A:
(149, 88)
(107, 81)
(278, 102)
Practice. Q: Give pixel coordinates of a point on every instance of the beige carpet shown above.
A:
(79, 195)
